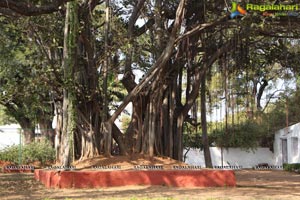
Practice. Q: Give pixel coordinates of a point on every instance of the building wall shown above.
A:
(292, 136)
(9, 135)
(233, 156)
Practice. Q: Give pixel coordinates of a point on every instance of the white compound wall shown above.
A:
(232, 156)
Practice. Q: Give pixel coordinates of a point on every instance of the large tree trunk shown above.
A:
(118, 137)
(88, 138)
(69, 100)
(28, 130)
(148, 132)
(165, 124)
(207, 156)
(46, 130)
(58, 131)
(171, 118)
(151, 130)
(179, 145)
(26, 123)
(133, 134)
(106, 127)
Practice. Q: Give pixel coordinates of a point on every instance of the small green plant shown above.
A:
(36, 151)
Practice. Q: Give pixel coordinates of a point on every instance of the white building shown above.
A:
(286, 145)
(9, 135)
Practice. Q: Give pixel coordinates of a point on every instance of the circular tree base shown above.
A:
(113, 178)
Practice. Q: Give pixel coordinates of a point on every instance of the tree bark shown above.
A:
(134, 130)
(151, 130)
(207, 156)
(28, 131)
(118, 137)
(105, 126)
(46, 130)
(260, 93)
(69, 100)
(89, 106)
(26, 123)
(58, 132)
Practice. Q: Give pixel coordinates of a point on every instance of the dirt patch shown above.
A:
(127, 162)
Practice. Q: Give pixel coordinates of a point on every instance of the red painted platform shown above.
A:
(98, 179)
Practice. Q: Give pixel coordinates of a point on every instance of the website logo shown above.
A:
(237, 10)
(267, 10)
(275, 10)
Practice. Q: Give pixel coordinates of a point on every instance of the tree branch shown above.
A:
(260, 93)
(200, 28)
(29, 9)
(271, 97)
(160, 63)
(199, 73)
(144, 28)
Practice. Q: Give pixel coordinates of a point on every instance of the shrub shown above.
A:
(10, 153)
(294, 167)
(36, 151)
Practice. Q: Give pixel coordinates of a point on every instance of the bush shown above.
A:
(245, 135)
(10, 153)
(36, 151)
(294, 167)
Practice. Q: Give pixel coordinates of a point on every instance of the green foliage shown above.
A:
(249, 133)
(10, 153)
(284, 110)
(116, 91)
(125, 122)
(294, 167)
(246, 135)
(24, 74)
(36, 151)
(4, 117)
(191, 138)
